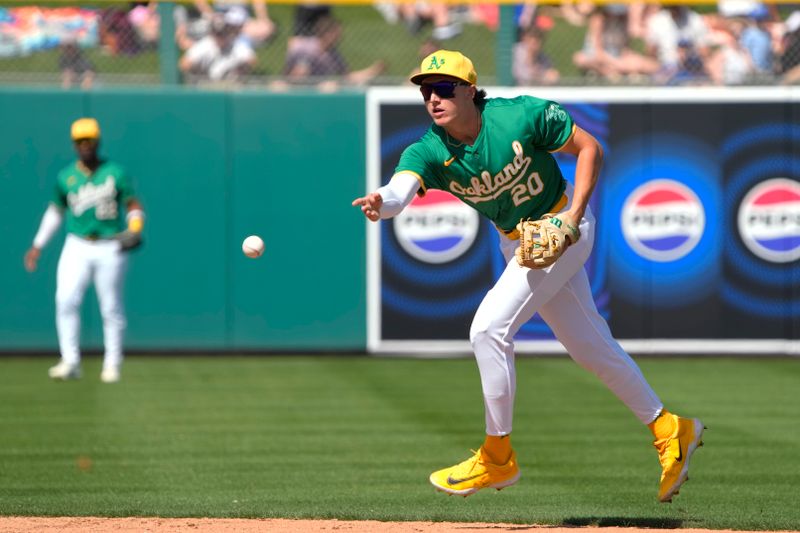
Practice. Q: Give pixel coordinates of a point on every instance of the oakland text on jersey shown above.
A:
(487, 188)
(102, 196)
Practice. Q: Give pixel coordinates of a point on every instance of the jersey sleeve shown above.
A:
(415, 160)
(124, 187)
(551, 124)
(59, 192)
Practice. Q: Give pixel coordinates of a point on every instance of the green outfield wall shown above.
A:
(210, 168)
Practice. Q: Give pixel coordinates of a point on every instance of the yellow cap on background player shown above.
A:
(85, 128)
(446, 63)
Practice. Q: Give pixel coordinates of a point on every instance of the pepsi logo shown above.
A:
(663, 220)
(769, 220)
(437, 227)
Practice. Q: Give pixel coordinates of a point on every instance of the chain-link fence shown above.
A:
(280, 45)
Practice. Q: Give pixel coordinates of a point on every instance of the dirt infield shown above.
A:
(230, 525)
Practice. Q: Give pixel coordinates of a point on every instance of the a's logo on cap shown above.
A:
(663, 220)
(769, 220)
(437, 227)
(436, 63)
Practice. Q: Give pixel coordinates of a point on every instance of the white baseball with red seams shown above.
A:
(253, 246)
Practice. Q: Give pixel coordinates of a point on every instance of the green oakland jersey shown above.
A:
(509, 173)
(94, 202)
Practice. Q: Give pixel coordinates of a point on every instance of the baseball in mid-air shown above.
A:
(253, 246)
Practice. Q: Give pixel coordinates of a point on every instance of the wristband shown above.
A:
(135, 220)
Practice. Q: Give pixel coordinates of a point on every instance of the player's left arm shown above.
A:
(587, 149)
(131, 237)
(134, 212)
(135, 215)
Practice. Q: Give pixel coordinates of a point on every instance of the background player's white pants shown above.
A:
(82, 262)
(562, 296)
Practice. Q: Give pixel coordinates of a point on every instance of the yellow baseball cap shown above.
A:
(85, 128)
(446, 63)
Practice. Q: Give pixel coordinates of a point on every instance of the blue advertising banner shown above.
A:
(698, 235)
(702, 203)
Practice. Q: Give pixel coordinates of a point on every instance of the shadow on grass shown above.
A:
(618, 521)
(591, 521)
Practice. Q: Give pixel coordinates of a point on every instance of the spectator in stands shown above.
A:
(731, 64)
(525, 15)
(678, 38)
(638, 15)
(221, 56)
(75, 67)
(190, 25)
(193, 22)
(607, 50)
(117, 34)
(790, 50)
(690, 68)
(530, 65)
(319, 61)
(418, 14)
(757, 41)
(306, 17)
(576, 13)
(258, 28)
(144, 18)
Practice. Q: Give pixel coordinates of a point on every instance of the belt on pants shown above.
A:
(558, 206)
(94, 237)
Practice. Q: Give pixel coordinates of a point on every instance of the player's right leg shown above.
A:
(573, 317)
(72, 279)
(517, 295)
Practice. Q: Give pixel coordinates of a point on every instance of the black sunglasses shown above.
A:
(443, 89)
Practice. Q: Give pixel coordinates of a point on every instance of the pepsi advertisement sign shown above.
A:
(436, 228)
(697, 244)
(663, 220)
(769, 220)
(762, 247)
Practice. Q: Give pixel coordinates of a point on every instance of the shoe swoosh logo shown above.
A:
(679, 457)
(452, 481)
(449, 161)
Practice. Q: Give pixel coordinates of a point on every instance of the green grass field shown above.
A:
(356, 438)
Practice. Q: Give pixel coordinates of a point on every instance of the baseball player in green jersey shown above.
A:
(496, 156)
(103, 221)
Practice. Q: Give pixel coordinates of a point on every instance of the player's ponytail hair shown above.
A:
(480, 96)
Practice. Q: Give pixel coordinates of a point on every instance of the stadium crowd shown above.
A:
(735, 42)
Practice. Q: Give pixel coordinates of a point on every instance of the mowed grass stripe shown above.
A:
(356, 438)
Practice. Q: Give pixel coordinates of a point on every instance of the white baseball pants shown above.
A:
(82, 262)
(562, 296)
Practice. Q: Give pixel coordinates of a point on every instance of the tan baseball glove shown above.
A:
(543, 241)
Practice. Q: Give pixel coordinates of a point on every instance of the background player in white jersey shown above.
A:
(495, 155)
(103, 220)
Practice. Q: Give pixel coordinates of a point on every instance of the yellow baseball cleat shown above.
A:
(476, 473)
(674, 453)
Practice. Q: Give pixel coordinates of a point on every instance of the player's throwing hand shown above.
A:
(370, 205)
